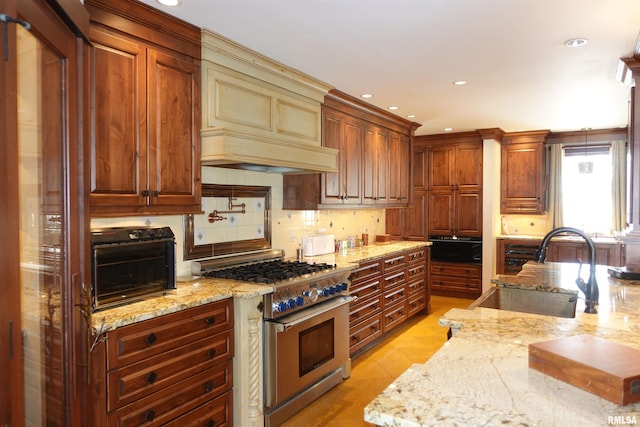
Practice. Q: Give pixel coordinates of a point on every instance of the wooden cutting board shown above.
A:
(601, 367)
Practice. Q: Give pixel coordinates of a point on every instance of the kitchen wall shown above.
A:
(288, 226)
(525, 225)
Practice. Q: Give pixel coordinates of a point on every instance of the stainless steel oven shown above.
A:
(306, 325)
(306, 354)
(129, 264)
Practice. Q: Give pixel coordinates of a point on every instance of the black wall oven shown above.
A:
(129, 264)
(467, 250)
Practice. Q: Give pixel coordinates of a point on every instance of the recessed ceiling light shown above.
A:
(367, 95)
(460, 82)
(576, 42)
(411, 116)
(169, 2)
(448, 129)
(393, 107)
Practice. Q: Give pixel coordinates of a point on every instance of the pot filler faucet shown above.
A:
(589, 289)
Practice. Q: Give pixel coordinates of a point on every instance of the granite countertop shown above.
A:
(195, 291)
(481, 376)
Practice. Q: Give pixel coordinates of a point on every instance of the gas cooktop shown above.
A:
(269, 271)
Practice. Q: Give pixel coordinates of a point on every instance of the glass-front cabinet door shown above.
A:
(43, 325)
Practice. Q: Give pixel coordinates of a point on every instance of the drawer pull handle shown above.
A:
(151, 339)
(152, 377)
(210, 423)
(209, 386)
(149, 416)
(212, 353)
(211, 321)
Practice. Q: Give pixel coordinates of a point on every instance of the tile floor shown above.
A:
(414, 342)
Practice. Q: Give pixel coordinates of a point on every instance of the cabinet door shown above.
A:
(417, 217)
(347, 136)
(419, 169)
(565, 252)
(399, 168)
(522, 186)
(468, 217)
(468, 167)
(441, 168)
(441, 212)
(375, 165)
(174, 133)
(118, 150)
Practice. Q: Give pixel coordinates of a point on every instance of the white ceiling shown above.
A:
(408, 52)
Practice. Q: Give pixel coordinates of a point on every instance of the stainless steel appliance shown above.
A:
(459, 249)
(129, 264)
(306, 326)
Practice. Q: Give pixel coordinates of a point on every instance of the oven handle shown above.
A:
(286, 323)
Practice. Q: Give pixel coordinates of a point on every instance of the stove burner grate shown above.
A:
(268, 272)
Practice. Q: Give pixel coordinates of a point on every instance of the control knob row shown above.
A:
(312, 294)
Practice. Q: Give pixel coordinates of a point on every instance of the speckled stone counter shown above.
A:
(194, 291)
(368, 252)
(481, 376)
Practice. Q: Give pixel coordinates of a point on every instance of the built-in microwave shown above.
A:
(129, 264)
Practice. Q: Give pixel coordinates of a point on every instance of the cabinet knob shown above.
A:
(209, 386)
(210, 321)
(212, 353)
(151, 339)
(152, 377)
(149, 416)
(210, 423)
(145, 193)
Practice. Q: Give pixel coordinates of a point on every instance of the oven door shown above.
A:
(304, 347)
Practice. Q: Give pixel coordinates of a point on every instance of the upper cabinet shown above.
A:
(523, 173)
(374, 149)
(454, 183)
(145, 149)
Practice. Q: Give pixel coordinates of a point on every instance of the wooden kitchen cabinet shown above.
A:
(145, 151)
(373, 161)
(346, 135)
(454, 183)
(570, 251)
(456, 279)
(411, 223)
(512, 253)
(389, 291)
(523, 173)
(167, 370)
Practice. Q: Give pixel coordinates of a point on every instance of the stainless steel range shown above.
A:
(306, 325)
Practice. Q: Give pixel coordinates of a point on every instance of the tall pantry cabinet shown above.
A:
(145, 152)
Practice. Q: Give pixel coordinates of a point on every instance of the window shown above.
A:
(586, 195)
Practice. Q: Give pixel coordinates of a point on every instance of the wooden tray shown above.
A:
(601, 367)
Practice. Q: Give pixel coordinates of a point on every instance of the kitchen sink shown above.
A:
(551, 302)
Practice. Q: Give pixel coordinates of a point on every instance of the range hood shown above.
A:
(259, 114)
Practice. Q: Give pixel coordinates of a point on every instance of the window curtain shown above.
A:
(619, 185)
(555, 185)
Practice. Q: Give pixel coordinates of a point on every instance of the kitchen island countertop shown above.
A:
(195, 291)
(481, 376)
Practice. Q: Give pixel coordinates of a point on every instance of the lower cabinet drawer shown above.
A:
(455, 283)
(394, 316)
(364, 333)
(394, 296)
(363, 308)
(125, 385)
(417, 286)
(416, 303)
(217, 413)
(174, 401)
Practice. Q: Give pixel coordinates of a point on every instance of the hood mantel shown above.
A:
(259, 114)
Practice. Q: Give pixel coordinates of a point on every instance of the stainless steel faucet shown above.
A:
(589, 289)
